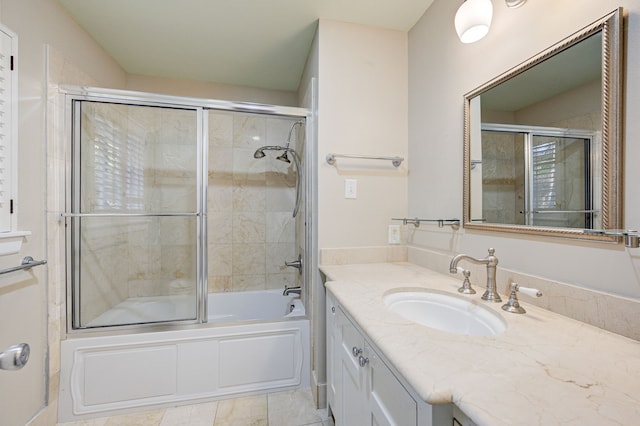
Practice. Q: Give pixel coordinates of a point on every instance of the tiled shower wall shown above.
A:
(251, 229)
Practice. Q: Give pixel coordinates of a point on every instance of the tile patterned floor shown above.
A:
(291, 408)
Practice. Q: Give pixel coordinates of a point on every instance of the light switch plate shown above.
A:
(351, 189)
(394, 234)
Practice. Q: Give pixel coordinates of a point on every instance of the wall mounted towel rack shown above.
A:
(631, 236)
(396, 161)
(453, 223)
(27, 263)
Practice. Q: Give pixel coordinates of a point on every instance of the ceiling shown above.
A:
(256, 43)
(568, 69)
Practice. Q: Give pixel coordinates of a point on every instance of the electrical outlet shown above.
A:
(394, 234)
(351, 189)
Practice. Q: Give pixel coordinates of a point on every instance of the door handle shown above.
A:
(14, 357)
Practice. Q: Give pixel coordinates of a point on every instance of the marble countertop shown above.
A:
(545, 369)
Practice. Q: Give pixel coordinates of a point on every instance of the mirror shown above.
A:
(542, 141)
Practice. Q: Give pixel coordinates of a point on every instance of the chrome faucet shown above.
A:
(491, 294)
(288, 290)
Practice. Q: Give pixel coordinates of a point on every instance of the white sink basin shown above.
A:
(445, 312)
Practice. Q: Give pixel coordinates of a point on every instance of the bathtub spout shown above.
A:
(288, 290)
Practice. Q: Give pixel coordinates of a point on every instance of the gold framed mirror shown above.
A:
(542, 141)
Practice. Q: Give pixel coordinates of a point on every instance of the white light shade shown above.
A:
(473, 20)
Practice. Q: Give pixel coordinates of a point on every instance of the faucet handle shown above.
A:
(512, 304)
(533, 292)
(466, 284)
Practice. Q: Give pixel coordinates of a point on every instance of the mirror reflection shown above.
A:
(536, 138)
(536, 176)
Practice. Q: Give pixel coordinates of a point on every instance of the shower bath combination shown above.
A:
(165, 304)
(284, 157)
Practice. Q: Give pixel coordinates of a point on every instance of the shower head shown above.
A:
(284, 157)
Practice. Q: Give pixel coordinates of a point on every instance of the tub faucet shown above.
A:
(491, 294)
(288, 290)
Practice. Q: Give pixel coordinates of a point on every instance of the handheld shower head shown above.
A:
(284, 157)
(259, 153)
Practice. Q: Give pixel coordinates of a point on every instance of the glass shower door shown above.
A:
(561, 189)
(540, 176)
(134, 214)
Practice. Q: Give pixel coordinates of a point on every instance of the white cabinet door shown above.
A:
(390, 403)
(353, 398)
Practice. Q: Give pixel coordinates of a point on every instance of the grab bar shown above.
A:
(396, 161)
(27, 263)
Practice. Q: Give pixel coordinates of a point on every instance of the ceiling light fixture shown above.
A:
(473, 20)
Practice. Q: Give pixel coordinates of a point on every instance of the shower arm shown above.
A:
(291, 131)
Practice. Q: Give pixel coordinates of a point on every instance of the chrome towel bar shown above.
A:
(631, 236)
(27, 263)
(396, 161)
(453, 223)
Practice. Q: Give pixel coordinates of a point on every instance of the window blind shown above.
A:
(118, 166)
(544, 175)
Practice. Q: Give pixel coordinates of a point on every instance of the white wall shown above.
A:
(442, 70)
(362, 110)
(361, 74)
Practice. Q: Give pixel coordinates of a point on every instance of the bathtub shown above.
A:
(264, 305)
(254, 342)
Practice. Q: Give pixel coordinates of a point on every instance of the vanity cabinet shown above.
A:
(362, 389)
(461, 419)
